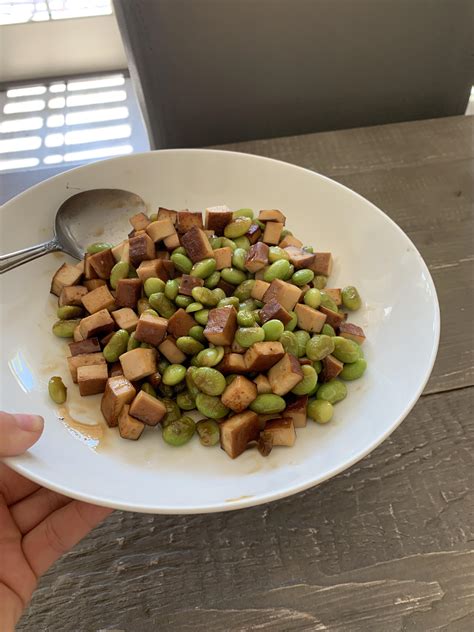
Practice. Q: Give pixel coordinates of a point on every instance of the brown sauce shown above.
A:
(90, 434)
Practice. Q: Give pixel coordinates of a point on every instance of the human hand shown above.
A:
(37, 526)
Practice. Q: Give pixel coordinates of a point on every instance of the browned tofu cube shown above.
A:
(272, 233)
(151, 329)
(223, 257)
(91, 345)
(166, 213)
(259, 289)
(197, 244)
(273, 309)
(289, 240)
(147, 408)
(257, 257)
(141, 248)
(282, 431)
(239, 394)
(125, 319)
(171, 352)
(352, 332)
(227, 288)
(180, 323)
(188, 283)
(147, 270)
(263, 355)
(118, 392)
(188, 220)
(92, 379)
(322, 263)
(265, 443)
(335, 319)
(217, 218)
(65, 276)
(139, 221)
(172, 241)
(84, 359)
(138, 363)
(128, 292)
(89, 272)
(121, 251)
(129, 427)
(98, 299)
(284, 293)
(254, 233)
(331, 368)
(296, 411)
(162, 254)
(160, 229)
(95, 324)
(285, 374)
(80, 266)
(102, 263)
(72, 295)
(309, 319)
(93, 284)
(115, 369)
(335, 293)
(237, 348)
(272, 215)
(299, 257)
(77, 336)
(221, 325)
(233, 363)
(238, 431)
(262, 384)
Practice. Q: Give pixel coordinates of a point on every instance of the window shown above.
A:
(21, 11)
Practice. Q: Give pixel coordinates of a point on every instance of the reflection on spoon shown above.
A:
(90, 434)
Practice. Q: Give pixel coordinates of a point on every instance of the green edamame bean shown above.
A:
(174, 374)
(166, 391)
(285, 233)
(267, 404)
(209, 381)
(116, 345)
(273, 329)
(202, 316)
(320, 411)
(65, 328)
(186, 401)
(247, 336)
(260, 224)
(172, 411)
(333, 391)
(245, 319)
(243, 212)
(256, 316)
(345, 350)
(328, 302)
(210, 357)
(351, 298)
(320, 281)
(182, 262)
(179, 388)
(153, 217)
(57, 390)
(290, 272)
(354, 371)
(216, 242)
(66, 312)
(162, 364)
(148, 389)
(238, 259)
(189, 345)
(153, 285)
(179, 432)
(132, 273)
(194, 307)
(233, 276)
(328, 330)
(208, 431)
(183, 301)
(242, 242)
(142, 305)
(98, 246)
(318, 366)
(302, 277)
(203, 269)
(171, 289)
(244, 291)
(227, 243)
(205, 296)
(237, 227)
(179, 251)
(162, 304)
(309, 249)
(319, 347)
(309, 381)
(210, 406)
(196, 332)
(132, 343)
(219, 293)
(289, 342)
(312, 298)
(193, 361)
(212, 280)
(230, 300)
(302, 338)
(291, 325)
(277, 270)
(119, 271)
(275, 253)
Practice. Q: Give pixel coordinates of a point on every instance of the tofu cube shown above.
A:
(180, 323)
(77, 336)
(282, 431)
(91, 345)
(284, 293)
(197, 244)
(65, 276)
(188, 283)
(118, 392)
(217, 218)
(92, 284)
(92, 379)
(223, 257)
(101, 262)
(98, 299)
(129, 427)
(84, 359)
(296, 411)
(187, 220)
(232, 363)
(259, 289)
(289, 240)
(99, 323)
(141, 248)
(166, 213)
(151, 329)
(172, 241)
(352, 332)
(262, 383)
(238, 431)
(221, 325)
(335, 319)
(139, 221)
(72, 295)
(115, 369)
(335, 293)
(285, 374)
(299, 257)
(261, 356)
(125, 318)
(171, 352)
(331, 368)
(254, 233)
(128, 292)
(147, 408)
(272, 233)
(239, 394)
(257, 257)
(160, 229)
(121, 251)
(138, 363)
(274, 310)
(322, 263)
(272, 216)
(309, 319)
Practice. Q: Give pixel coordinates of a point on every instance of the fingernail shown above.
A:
(30, 423)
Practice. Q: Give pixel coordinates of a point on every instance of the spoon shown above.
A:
(79, 219)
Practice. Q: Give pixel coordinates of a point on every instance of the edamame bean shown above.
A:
(291, 325)
(162, 304)
(318, 366)
(179, 432)
(216, 242)
(210, 406)
(267, 404)
(65, 328)
(209, 381)
(319, 347)
(273, 329)
(132, 273)
(219, 293)
(208, 431)
(57, 390)
(203, 269)
(172, 411)
(233, 276)
(328, 302)
(182, 262)
(153, 285)
(351, 298)
(228, 243)
(312, 298)
(290, 272)
(196, 332)
(345, 350)
(238, 259)
(320, 282)
(320, 410)
(289, 342)
(237, 227)
(166, 390)
(210, 356)
(244, 291)
(66, 312)
(302, 277)
(245, 319)
(202, 316)
(277, 270)
(192, 388)
(99, 246)
(162, 364)
(194, 307)
(212, 280)
(189, 345)
(171, 289)
(247, 336)
(142, 305)
(179, 251)
(328, 330)
(354, 371)
(302, 338)
(256, 316)
(183, 301)
(205, 296)
(333, 391)
(116, 345)
(132, 343)
(242, 242)
(275, 253)
(148, 389)
(119, 271)
(186, 401)
(309, 381)
(243, 212)
(230, 300)
(285, 233)
(174, 374)
(309, 249)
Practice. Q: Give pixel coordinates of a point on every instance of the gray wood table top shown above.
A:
(388, 544)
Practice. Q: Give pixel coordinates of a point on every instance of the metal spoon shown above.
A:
(81, 220)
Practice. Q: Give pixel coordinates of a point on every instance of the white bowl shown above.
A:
(400, 318)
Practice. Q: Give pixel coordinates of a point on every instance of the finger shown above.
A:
(59, 532)
(18, 433)
(30, 511)
(13, 486)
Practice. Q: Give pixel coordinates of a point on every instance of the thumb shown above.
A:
(18, 433)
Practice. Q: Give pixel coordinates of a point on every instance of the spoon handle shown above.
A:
(18, 258)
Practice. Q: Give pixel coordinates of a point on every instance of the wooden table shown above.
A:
(388, 544)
